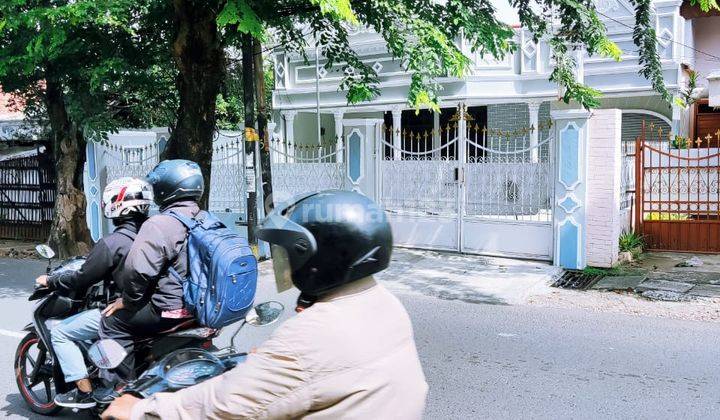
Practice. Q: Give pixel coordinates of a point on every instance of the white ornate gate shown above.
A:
(464, 188)
(298, 168)
(135, 153)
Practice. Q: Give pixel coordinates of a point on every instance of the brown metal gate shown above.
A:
(678, 202)
(27, 197)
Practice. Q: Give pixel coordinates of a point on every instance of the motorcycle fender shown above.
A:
(29, 327)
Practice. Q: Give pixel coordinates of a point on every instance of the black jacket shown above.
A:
(103, 263)
(161, 243)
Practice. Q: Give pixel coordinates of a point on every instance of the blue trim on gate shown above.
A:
(570, 156)
(354, 156)
(94, 221)
(569, 244)
(90, 153)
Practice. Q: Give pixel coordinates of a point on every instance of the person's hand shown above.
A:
(41, 281)
(113, 307)
(120, 409)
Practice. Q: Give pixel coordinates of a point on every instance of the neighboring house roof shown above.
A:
(21, 152)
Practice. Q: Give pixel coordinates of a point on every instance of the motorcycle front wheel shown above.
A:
(34, 375)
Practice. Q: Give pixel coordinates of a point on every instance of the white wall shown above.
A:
(707, 39)
(305, 125)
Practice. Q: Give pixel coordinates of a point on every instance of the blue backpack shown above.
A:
(222, 271)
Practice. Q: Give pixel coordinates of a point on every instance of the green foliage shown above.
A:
(230, 112)
(686, 97)
(109, 63)
(113, 56)
(631, 242)
(705, 5)
(339, 10)
(242, 17)
(680, 142)
(645, 37)
(598, 271)
(564, 75)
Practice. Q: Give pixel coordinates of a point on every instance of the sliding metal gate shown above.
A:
(469, 189)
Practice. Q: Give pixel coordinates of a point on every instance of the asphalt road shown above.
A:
(497, 361)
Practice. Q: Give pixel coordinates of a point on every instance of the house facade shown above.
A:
(503, 169)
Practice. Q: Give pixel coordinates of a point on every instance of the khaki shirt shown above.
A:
(350, 356)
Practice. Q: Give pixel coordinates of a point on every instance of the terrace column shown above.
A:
(339, 135)
(534, 110)
(289, 117)
(397, 132)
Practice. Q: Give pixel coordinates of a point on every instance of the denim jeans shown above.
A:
(80, 327)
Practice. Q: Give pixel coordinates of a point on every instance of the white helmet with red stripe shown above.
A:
(127, 197)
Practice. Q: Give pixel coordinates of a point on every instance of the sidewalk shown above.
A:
(17, 249)
(670, 276)
(502, 281)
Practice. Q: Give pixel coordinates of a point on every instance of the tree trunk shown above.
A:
(69, 234)
(200, 59)
(249, 108)
(265, 137)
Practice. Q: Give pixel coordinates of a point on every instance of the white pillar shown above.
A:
(339, 135)
(604, 221)
(677, 127)
(533, 110)
(397, 132)
(289, 134)
(269, 138)
(436, 141)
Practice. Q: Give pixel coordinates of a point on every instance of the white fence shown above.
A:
(136, 153)
(298, 169)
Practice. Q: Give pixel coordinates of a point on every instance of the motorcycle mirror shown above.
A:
(107, 354)
(45, 251)
(261, 314)
(264, 313)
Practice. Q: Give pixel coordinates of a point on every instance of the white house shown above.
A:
(505, 168)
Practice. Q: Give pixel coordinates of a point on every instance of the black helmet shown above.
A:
(323, 240)
(176, 179)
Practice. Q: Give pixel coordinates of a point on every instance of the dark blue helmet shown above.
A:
(323, 240)
(175, 180)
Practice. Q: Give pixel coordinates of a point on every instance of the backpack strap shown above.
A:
(189, 222)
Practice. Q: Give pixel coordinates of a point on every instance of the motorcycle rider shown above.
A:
(151, 280)
(350, 354)
(126, 202)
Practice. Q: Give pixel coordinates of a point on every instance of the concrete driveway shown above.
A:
(468, 278)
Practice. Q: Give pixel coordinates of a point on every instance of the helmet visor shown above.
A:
(282, 268)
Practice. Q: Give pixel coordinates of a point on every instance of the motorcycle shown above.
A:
(187, 366)
(39, 378)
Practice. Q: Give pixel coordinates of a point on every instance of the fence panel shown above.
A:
(678, 193)
(298, 169)
(27, 197)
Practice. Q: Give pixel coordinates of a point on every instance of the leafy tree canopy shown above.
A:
(111, 64)
(422, 35)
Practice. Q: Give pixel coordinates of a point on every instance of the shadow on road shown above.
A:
(17, 277)
(15, 407)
